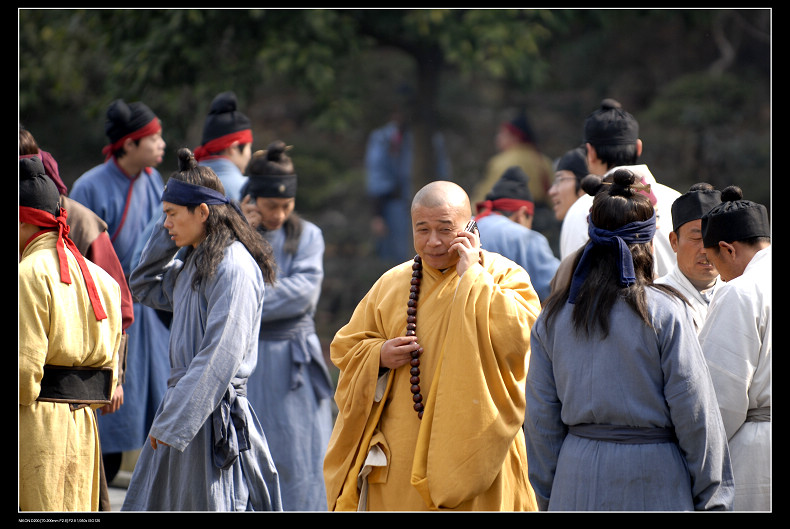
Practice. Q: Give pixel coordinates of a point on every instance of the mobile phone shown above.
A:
(471, 226)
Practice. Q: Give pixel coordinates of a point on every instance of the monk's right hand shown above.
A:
(397, 351)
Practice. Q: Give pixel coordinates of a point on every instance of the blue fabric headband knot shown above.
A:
(633, 233)
(186, 194)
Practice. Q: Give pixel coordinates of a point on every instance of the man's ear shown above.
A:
(673, 241)
(202, 210)
(728, 248)
(592, 156)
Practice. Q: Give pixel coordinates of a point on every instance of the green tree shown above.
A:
(177, 59)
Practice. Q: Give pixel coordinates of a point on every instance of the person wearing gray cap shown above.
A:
(736, 340)
(693, 275)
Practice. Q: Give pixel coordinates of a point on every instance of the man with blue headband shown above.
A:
(206, 450)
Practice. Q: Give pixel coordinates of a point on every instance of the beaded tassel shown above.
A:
(411, 330)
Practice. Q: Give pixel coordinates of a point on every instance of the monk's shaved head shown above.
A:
(443, 194)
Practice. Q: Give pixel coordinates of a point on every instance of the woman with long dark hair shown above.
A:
(207, 450)
(621, 411)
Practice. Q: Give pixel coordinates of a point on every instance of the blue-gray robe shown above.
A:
(290, 388)
(636, 377)
(213, 350)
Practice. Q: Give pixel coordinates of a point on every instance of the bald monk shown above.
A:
(433, 366)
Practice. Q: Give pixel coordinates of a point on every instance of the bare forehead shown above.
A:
(441, 198)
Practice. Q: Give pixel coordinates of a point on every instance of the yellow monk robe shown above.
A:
(468, 451)
(59, 452)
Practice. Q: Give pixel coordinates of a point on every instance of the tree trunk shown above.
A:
(425, 117)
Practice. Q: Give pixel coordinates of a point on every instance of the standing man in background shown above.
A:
(125, 191)
(226, 146)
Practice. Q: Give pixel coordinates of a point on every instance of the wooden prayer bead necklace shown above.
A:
(411, 330)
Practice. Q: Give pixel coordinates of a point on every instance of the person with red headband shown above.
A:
(89, 233)
(69, 334)
(125, 191)
(505, 221)
(226, 147)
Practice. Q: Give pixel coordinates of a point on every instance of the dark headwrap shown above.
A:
(611, 125)
(132, 121)
(271, 173)
(39, 205)
(734, 219)
(638, 232)
(224, 125)
(272, 186)
(574, 161)
(510, 193)
(51, 168)
(692, 205)
(185, 194)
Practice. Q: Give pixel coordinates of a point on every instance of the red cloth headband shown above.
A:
(503, 204)
(152, 128)
(222, 143)
(41, 218)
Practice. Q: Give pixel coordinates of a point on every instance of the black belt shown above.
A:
(77, 386)
(623, 434)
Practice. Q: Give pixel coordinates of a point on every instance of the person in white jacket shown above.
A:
(693, 274)
(611, 137)
(736, 340)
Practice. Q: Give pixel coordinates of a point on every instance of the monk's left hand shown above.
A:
(467, 245)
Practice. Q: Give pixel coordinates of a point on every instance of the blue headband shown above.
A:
(186, 194)
(633, 233)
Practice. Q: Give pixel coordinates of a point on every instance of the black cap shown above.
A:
(734, 219)
(224, 118)
(611, 125)
(574, 161)
(512, 184)
(36, 189)
(124, 119)
(693, 204)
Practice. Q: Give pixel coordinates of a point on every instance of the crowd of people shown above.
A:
(631, 372)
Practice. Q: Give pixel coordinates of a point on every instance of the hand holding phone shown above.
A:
(465, 254)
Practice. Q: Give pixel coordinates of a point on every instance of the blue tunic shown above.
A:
(291, 389)
(205, 417)
(230, 176)
(127, 205)
(524, 246)
(636, 377)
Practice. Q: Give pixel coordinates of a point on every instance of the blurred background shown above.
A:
(697, 80)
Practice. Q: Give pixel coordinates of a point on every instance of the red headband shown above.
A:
(152, 128)
(44, 219)
(503, 204)
(222, 143)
